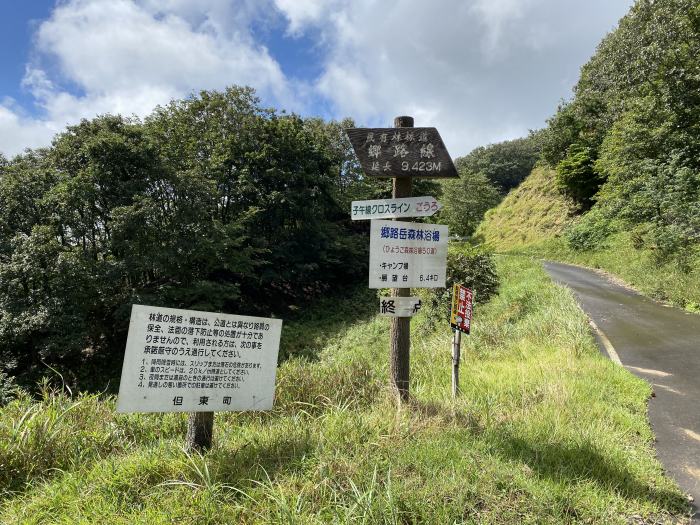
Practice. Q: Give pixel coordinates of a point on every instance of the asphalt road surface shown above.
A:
(660, 344)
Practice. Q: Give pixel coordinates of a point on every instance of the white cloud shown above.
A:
(479, 70)
(301, 13)
(120, 56)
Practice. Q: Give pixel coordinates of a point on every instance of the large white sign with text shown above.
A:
(407, 255)
(190, 361)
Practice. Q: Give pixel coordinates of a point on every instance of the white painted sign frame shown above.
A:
(158, 375)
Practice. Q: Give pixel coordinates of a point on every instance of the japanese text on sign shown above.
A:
(185, 360)
(399, 306)
(401, 152)
(462, 301)
(394, 208)
(407, 255)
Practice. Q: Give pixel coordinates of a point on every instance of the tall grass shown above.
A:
(545, 431)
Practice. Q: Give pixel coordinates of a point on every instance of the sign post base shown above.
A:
(200, 431)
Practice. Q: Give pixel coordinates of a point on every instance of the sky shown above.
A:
(481, 71)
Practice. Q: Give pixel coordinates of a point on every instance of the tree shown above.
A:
(505, 164)
(466, 200)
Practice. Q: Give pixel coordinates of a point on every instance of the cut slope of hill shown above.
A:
(531, 213)
(534, 219)
(546, 431)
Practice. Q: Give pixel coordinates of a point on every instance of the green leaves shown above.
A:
(213, 203)
(629, 141)
(576, 175)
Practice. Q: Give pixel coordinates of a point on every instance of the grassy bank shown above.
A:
(665, 281)
(533, 211)
(533, 219)
(546, 431)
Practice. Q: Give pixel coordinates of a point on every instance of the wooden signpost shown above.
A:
(401, 152)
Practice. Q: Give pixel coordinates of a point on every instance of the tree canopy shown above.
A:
(629, 140)
(211, 203)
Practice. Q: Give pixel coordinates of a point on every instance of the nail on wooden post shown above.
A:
(200, 430)
(400, 333)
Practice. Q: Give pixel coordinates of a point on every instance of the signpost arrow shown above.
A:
(394, 208)
(402, 152)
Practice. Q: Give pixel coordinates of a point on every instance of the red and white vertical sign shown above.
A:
(462, 302)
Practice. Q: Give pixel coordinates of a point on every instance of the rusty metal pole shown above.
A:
(400, 334)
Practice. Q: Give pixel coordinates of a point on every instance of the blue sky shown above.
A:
(481, 71)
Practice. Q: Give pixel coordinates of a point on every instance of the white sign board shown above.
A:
(190, 361)
(407, 255)
(394, 208)
(399, 306)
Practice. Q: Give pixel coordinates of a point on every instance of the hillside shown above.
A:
(625, 149)
(546, 431)
(530, 213)
(534, 219)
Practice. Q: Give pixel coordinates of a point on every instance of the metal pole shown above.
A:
(400, 334)
(456, 340)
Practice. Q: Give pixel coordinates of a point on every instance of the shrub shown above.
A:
(8, 389)
(576, 175)
(590, 231)
(469, 266)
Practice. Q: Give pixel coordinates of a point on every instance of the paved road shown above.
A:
(657, 343)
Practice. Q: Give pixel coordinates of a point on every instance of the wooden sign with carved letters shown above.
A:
(402, 152)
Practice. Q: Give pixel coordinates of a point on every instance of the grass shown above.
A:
(546, 431)
(532, 219)
(664, 281)
(533, 211)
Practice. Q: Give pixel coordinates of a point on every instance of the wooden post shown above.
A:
(456, 340)
(200, 430)
(400, 334)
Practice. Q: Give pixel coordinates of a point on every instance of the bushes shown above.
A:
(576, 175)
(466, 265)
(590, 232)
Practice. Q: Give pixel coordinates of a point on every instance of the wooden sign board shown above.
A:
(191, 361)
(462, 305)
(402, 152)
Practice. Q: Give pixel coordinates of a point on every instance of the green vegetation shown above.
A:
(536, 220)
(465, 201)
(504, 164)
(625, 155)
(546, 431)
(669, 281)
(213, 203)
(485, 176)
(629, 141)
(533, 211)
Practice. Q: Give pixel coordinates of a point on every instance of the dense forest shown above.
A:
(626, 148)
(211, 203)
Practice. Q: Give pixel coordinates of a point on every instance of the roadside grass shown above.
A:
(664, 281)
(546, 431)
(532, 219)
